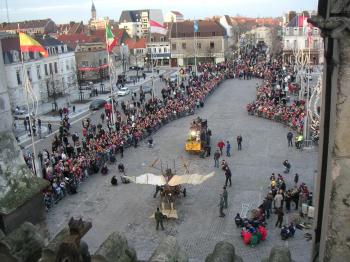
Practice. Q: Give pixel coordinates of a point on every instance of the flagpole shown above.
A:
(110, 77)
(151, 58)
(306, 127)
(26, 87)
(195, 46)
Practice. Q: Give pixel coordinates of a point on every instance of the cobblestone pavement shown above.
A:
(127, 208)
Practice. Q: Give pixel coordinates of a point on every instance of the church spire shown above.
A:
(93, 11)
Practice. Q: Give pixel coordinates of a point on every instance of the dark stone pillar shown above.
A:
(332, 201)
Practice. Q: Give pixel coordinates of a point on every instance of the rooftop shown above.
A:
(205, 29)
(25, 24)
(135, 44)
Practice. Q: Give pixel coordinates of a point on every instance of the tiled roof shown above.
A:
(135, 44)
(176, 13)
(205, 29)
(25, 24)
(10, 43)
(48, 41)
(72, 40)
(156, 37)
(228, 20)
(101, 34)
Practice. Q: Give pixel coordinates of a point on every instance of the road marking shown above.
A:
(245, 209)
(53, 133)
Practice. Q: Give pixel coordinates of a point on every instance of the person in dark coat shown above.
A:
(296, 178)
(238, 220)
(221, 206)
(114, 181)
(290, 139)
(159, 218)
(228, 175)
(239, 142)
(280, 215)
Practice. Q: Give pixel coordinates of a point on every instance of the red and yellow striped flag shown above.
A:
(28, 44)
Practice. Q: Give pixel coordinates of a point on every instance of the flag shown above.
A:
(155, 27)
(309, 33)
(28, 44)
(111, 41)
(195, 26)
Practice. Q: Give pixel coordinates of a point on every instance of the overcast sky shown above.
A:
(62, 11)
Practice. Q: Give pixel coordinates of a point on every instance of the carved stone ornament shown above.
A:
(335, 27)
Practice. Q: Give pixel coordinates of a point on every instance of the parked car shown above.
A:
(135, 68)
(147, 89)
(97, 104)
(123, 91)
(20, 110)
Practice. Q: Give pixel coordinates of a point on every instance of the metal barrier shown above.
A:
(308, 144)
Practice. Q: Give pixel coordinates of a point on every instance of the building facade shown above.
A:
(232, 32)
(97, 23)
(50, 77)
(92, 61)
(209, 44)
(298, 37)
(138, 51)
(158, 50)
(136, 22)
(261, 34)
(174, 16)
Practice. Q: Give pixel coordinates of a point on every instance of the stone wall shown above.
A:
(338, 237)
(17, 183)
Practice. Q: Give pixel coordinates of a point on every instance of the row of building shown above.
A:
(77, 52)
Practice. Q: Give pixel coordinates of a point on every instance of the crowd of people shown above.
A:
(271, 103)
(74, 157)
(278, 200)
(276, 100)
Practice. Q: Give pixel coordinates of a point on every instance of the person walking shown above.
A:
(39, 133)
(280, 215)
(73, 107)
(34, 130)
(39, 123)
(228, 175)
(288, 199)
(296, 178)
(287, 166)
(25, 123)
(221, 206)
(121, 150)
(239, 142)
(278, 200)
(102, 117)
(60, 111)
(221, 145)
(266, 207)
(228, 149)
(225, 195)
(290, 139)
(159, 218)
(49, 126)
(216, 158)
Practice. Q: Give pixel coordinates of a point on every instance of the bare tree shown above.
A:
(276, 41)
